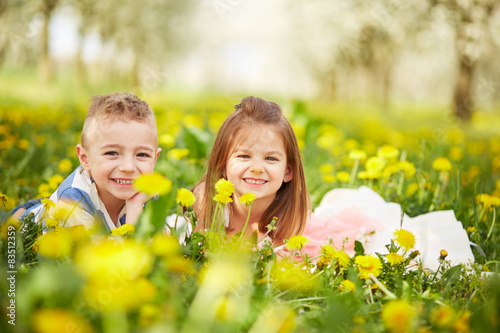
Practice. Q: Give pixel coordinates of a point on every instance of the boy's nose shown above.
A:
(127, 165)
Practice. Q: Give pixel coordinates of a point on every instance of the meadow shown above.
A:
(144, 281)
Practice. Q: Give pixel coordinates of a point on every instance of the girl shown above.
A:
(256, 150)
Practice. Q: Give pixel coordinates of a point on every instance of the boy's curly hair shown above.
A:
(123, 106)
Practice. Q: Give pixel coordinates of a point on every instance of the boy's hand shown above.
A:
(135, 206)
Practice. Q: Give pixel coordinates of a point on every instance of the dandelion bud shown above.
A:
(443, 254)
(414, 254)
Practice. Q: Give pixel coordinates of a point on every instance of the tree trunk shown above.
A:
(80, 64)
(45, 66)
(463, 103)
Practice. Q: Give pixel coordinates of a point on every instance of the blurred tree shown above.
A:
(87, 12)
(19, 26)
(353, 45)
(469, 20)
(47, 8)
(152, 31)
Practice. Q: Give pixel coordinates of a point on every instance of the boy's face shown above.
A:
(118, 152)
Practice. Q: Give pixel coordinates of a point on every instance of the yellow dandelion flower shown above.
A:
(297, 242)
(462, 325)
(164, 245)
(328, 178)
(23, 144)
(411, 189)
(488, 201)
(60, 213)
(343, 176)
(79, 234)
(374, 164)
(408, 168)
(58, 320)
(40, 140)
(105, 259)
(126, 229)
(166, 140)
(456, 153)
(51, 222)
(149, 314)
(55, 181)
(441, 164)
(47, 203)
(350, 144)
(177, 154)
(368, 264)
(153, 183)
(394, 258)
(55, 244)
(44, 190)
(65, 165)
(288, 275)
(471, 230)
(390, 170)
(357, 154)
(443, 316)
(185, 197)
(247, 198)
(224, 187)
(398, 316)
(388, 152)
(128, 295)
(329, 254)
(5, 227)
(404, 238)
(476, 147)
(326, 168)
(3, 199)
(369, 174)
(347, 285)
(222, 199)
(179, 264)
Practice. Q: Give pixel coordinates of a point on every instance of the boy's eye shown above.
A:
(143, 155)
(112, 153)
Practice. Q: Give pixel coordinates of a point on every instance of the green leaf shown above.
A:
(358, 248)
(153, 218)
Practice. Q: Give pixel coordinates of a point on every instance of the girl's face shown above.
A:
(259, 165)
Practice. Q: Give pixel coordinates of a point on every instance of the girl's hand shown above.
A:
(283, 253)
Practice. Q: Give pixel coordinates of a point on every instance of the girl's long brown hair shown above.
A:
(291, 205)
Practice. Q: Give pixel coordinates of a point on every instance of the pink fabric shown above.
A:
(347, 224)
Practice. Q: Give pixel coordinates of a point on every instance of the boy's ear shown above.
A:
(158, 151)
(288, 174)
(83, 157)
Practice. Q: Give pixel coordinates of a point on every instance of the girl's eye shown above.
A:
(270, 158)
(243, 156)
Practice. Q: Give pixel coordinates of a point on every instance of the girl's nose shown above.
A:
(257, 170)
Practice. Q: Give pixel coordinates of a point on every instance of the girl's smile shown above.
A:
(259, 165)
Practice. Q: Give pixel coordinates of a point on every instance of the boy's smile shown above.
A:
(118, 152)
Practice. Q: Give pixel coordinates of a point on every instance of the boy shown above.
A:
(119, 143)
